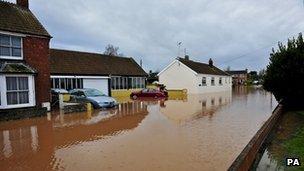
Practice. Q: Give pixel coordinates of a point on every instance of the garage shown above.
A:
(100, 84)
(78, 82)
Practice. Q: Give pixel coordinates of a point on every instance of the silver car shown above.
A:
(95, 97)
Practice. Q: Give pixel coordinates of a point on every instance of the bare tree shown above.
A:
(112, 50)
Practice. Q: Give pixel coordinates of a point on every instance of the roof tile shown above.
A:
(17, 19)
(83, 63)
(202, 68)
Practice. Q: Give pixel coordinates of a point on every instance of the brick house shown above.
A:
(24, 58)
(239, 77)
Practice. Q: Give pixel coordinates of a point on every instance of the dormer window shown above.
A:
(10, 47)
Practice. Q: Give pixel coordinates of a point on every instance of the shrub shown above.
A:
(285, 73)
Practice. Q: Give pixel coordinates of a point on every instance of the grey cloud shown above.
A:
(149, 30)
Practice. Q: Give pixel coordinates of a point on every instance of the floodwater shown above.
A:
(286, 140)
(200, 132)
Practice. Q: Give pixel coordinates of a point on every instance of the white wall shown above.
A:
(178, 76)
(100, 84)
(208, 88)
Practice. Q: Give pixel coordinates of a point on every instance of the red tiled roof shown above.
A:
(15, 18)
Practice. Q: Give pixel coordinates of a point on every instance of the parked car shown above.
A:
(95, 97)
(150, 93)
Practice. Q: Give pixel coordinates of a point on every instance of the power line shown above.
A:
(253, 51)
(246, 54)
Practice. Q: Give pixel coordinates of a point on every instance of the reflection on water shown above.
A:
(197, 106)
(200, 132)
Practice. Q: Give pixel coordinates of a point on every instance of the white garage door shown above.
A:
(99, 84)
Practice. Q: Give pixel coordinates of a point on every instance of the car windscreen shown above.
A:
(93, 93)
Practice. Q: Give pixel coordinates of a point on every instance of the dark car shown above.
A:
(95, 97)
(149, 93)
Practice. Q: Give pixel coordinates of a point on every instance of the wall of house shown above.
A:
(208, 88)
(177, 77)
(36, 54)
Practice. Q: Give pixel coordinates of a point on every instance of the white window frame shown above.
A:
(212, 78)
(21, 48)
(204, 78)
(65, 82)
(3, 92)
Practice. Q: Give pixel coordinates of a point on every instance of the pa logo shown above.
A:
(293, 162)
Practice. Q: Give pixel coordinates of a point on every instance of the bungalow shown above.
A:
(24, 54)
(195, 77)
(74, 69)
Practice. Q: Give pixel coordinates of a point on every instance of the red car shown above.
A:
(149, 93)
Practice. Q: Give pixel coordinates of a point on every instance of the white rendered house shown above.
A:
(195, 77)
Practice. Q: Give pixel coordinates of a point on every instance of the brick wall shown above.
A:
(36, 53)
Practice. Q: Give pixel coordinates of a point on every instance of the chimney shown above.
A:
(23, 3)
(210, 62)
(187, 57)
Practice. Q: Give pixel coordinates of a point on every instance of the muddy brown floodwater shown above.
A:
(200, 132)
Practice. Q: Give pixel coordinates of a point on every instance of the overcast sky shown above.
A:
(149, 30)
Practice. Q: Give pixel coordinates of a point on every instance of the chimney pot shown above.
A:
(23, 3)
(210, 62)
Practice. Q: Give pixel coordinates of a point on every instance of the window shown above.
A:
(17, 90)
(10, 47)
(212, 102)
(204, 81)
(220, 81)
(120, 83)
(67, 83)
(204, 104)
(212, 81)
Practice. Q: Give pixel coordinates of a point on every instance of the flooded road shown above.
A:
(200, 132)
(285, 140)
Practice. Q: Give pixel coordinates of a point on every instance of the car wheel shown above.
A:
(134, 97)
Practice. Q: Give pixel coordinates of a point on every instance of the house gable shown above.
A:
(178, 76)
(174, 62)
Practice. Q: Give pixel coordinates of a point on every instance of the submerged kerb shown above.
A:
(246, 158)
